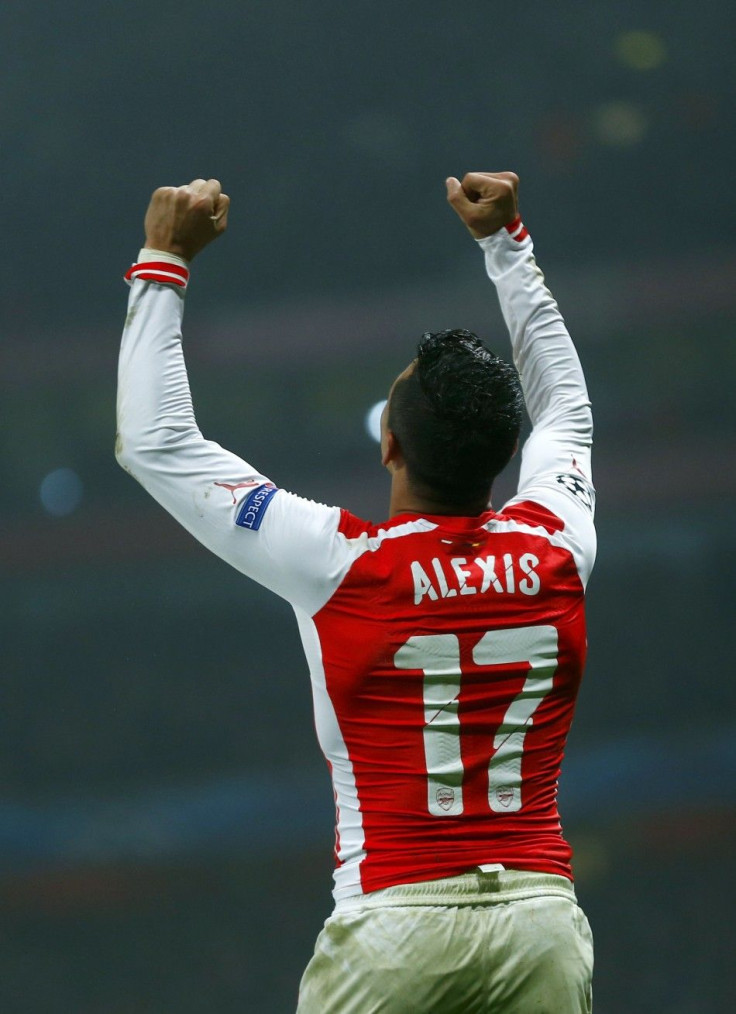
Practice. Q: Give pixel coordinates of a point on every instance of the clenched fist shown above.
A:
(485, 201)
(183, 220)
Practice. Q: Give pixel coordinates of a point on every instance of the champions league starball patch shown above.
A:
(579, 487)
(254, 507)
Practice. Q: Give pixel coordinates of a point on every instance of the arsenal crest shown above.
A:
(505, 795)
(445, 797)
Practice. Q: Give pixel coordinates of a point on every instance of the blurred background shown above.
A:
(165, 813)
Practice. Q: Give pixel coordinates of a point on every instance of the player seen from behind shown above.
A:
(445, 646)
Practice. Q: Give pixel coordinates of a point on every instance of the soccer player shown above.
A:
(445, 645)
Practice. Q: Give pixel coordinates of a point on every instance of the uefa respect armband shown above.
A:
(254, 507)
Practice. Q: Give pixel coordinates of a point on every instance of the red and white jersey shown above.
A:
(445, 652)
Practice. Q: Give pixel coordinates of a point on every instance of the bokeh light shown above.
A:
(620, 124)
(373, 420)
(61, 492)
(640, 50)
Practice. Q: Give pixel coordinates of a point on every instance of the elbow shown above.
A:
(573, 422)
(127, 453)
(580, 423)
(582, 413)
(119, 448)
(123, 455)
(141, 451)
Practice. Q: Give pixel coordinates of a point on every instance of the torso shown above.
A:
(445, 668)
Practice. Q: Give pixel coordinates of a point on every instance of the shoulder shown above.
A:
(562, 507)
(353, 527)
(536, 515)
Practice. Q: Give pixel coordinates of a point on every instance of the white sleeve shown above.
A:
(556, 458)
(289, 544)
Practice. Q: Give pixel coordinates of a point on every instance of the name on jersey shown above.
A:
(505, 575)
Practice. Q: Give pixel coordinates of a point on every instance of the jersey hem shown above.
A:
(373, 881)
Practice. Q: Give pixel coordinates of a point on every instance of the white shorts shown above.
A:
(502, 942)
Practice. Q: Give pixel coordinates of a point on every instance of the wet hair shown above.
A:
(457, 418)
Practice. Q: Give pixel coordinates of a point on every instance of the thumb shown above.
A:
(453, 188)
(456, 195)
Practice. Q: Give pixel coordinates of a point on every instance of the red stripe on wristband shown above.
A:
(517, 230)
(157, 276)
(159, 271)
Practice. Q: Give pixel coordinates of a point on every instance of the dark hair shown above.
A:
(457, 417)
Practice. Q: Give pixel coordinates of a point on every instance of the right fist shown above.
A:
(485, 201)
(183, 220)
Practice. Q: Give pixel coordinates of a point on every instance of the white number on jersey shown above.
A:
(438, 657)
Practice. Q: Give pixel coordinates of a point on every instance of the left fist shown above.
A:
(183, 220)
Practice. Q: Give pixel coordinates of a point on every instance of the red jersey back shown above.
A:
(452, 653)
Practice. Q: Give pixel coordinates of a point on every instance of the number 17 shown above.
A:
(438, 657)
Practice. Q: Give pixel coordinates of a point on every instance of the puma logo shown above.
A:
(238, 485)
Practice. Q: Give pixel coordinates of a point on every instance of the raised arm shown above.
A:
(556, 458)
(280, 540)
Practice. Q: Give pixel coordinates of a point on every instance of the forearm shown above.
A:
(154, 409)
(552, 377)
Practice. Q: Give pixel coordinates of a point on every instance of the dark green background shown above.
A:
(165, 815)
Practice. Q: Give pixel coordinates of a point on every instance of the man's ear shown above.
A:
(391, 451)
